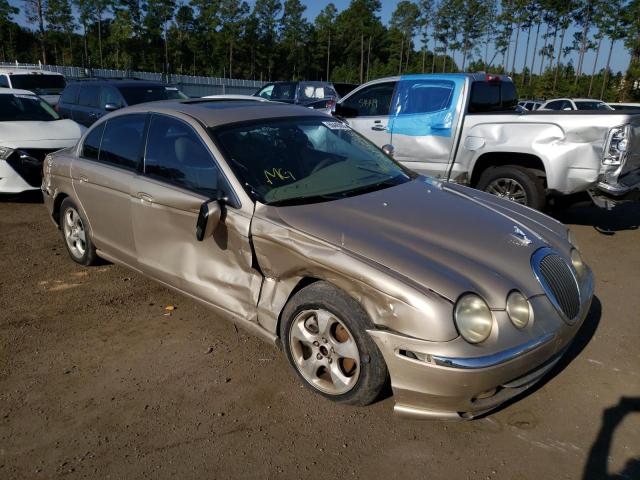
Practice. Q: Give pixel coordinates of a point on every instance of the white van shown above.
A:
(47, 85)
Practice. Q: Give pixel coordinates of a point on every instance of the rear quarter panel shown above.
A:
(569, 144)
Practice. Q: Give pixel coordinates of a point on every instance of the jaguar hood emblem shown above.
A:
(520, 236)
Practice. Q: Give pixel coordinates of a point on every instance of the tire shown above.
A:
(518, 184)
(76, 234)
(328, 367)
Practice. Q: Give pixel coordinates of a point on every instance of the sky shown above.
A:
(619, 58)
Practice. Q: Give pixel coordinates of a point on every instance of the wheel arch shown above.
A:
(503, 159)
(57, 203)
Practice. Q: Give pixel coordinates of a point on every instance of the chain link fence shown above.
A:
(194, 86)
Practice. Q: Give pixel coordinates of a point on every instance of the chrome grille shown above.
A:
(558, 281)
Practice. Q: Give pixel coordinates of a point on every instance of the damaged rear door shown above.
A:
(179, 174)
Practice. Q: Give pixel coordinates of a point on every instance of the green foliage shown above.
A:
(274, 40)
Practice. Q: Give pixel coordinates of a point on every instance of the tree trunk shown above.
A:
(41, 30)
(86, 46)
(543, 51)
(515, 50)
(328, 53)
(231, 59)
(444, 58)
(555, 77)
(606, 70)
(368, 58)
(533, 54)
(553, 50)
(583, 45)
(100, 38)
(401, 57)
(362, 57)
(595, 63)
(433, 60)
(526, 56)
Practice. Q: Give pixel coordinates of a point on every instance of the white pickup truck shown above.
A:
(467, 128)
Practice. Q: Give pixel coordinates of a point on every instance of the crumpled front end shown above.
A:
(457, 380)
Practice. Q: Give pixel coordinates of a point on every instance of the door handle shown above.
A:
(379, 128)
(145, 197)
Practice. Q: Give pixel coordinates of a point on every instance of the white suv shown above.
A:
(48, 85)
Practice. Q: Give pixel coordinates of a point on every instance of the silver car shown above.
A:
(298, 229)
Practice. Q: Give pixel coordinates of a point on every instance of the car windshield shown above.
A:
(150, 93)
(305, 160)
(25, 108)
(41, 84)
(592, 106)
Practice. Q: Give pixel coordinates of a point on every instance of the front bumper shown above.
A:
(444, 385)
(11, 181)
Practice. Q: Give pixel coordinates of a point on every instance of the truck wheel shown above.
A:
(514, 183)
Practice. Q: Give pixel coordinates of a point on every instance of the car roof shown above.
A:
(118, 82)
(216, 112)
(27, 71)
(15, 91)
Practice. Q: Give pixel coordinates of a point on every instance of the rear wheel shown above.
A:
(76, 234)
(323, 332)
(514, 183)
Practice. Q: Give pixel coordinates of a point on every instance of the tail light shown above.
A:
(493, 78)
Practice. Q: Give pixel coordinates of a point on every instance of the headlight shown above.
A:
(578, 264)
(616, 147)
(473, 318)
(572, 239)
(5, 152)
(518, 309)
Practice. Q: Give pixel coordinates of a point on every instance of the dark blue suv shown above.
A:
(88, 100)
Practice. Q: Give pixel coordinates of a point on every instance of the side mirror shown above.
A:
(340, 111)
(567, 108)
(110, 107)
(388, 149)
(208, 219)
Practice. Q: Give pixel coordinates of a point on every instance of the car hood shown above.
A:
(38, 134)
(448, 238)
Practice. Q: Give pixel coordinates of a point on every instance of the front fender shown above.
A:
(287, 256)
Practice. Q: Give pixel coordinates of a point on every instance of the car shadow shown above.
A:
(31, 196)
(580, 341)
(598, 460)
(623, 217)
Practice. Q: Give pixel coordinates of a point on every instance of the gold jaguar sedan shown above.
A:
(295, 227)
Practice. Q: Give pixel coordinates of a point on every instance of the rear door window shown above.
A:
(89, 96)
(91, 146)
(134, 95)
(109, 95)
(492, 97)
(70, 94)
(175, 154)
(4, 81)
(122, 141)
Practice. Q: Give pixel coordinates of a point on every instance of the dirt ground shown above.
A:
(97, 382)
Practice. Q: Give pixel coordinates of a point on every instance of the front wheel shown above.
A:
(76, 234)
(323, 332)
(514, 183)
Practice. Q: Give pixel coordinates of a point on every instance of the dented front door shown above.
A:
(179, 175)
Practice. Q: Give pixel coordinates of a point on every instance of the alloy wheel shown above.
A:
(324, 351)
(74, 232)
